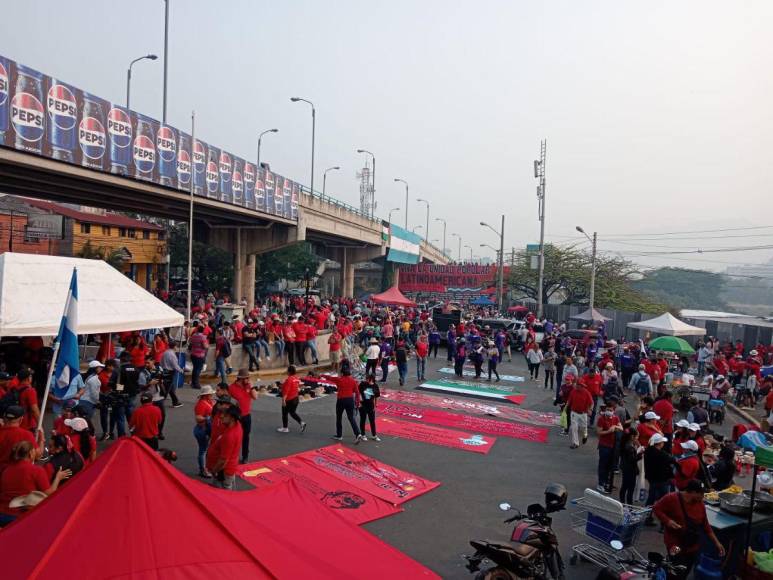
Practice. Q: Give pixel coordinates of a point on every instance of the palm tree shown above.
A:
(113, 256)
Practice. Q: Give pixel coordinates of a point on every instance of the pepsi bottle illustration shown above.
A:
(166, 145)
(5, 88)
(225, 176)
(91, 132)
(199, 167)
(237, 183)
(62, 121)
(212, 174)
(144, 149)
(249, 185)
(184, 165)
(27, 114)
(119, 130)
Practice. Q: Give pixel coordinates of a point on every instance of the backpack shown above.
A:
(226, 350)
(11, 398)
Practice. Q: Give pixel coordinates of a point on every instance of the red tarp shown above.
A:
(472, 406)
(435, 435)
(518, 309)
(345, 499)
(365, 473)
(142, 519)
(466, 422)
(392, 296)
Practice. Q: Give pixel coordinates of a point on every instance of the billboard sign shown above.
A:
(48, 117)
(458, 282)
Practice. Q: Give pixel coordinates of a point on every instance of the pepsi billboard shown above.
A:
(48, 117)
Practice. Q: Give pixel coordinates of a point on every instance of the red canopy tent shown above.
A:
(392, 296)
(518, 308)
(132, 515)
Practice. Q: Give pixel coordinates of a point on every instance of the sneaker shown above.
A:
(177, 406)
(336, 438)
(303, 427)
(358, 439)
(376, 438)
(105, 437)
(584, 439)
(282, 430)
(364, 438)
(205, 474)
(564, 434)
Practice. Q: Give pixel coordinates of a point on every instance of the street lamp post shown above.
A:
(373, 180)
(129, 76)
(501, 273)
(460, 245)
(426, 231)
(391, 211)
(592, 240)
(260, 139)
(444, 233)
(166, 59)
(313, 130)
(417, 228)
(406, 200)
(324, 178)
(470, 247)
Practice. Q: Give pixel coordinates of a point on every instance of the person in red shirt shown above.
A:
(290, 390)
(299, 326)
(145, 421)
(688, 465)
(348, 399)
(334, 342)
(11, 433)
(289, 334)
(607, 428)
(592, 382)
(720, 365)
(223, 452)
(665, 410)
(138, 352)
(22, 477)
(311, 342)
(202, 412)
(648, 426)
(28, 398)
(244, 394)
(684, 517)
(580, 403)
(680, 436)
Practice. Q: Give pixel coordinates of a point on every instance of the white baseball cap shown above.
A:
(657, 438)
(691, 445)
(683, 423)
(650, 415)
(77, 423)
(753, 353)
(694, 427)
(95, 364)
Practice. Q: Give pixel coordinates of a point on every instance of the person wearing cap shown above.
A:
(244, 394)
(372, 355)
(12, 433)
(68, 412)
(202, 430)
(145, 421)
(82, 436)
(22, 477)
(641, 382)
(223, 453)
(680, 436)
(607, 428)
(685, 523)
(694, 434)
(658, 469)
(688, 465)
(665, 410)
(648, 426)
(289, 391)
(149, 380)
(88, 397)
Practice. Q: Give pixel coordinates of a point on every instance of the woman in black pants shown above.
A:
(629, 465)
(369, 392)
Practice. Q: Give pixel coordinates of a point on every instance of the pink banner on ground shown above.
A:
(347, 500)
(465, 422)
(435, 435)
(472, 406)
(365, 473)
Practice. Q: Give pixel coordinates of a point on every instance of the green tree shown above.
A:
(212, 268)
(684, 288)
(567, 276)
(113, 256)
(290, 263)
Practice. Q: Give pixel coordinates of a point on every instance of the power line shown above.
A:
(691, 231)
(708, 251)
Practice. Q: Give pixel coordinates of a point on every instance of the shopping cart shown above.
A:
(603, 520)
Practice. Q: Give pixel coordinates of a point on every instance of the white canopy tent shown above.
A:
(33, 290)
(668, 324)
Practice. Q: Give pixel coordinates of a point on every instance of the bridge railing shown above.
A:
(355, 210)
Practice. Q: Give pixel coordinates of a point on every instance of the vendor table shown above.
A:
(730, 531)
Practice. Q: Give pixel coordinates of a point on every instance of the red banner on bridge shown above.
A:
(459, 282)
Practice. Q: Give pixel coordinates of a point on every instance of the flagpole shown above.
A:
(54, 356)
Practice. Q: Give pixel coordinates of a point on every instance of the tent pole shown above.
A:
(51, 368)
(748, 538)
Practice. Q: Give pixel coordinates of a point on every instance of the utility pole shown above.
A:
(539, 173)
(500, 288)
(593, 275)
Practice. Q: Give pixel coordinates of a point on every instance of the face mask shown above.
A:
(607, 413)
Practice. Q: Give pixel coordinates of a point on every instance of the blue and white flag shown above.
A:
(67, 362)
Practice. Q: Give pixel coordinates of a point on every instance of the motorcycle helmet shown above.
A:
(555, 497)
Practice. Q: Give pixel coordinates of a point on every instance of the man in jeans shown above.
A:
(607, 427)
(401, 358)
(244, 394)
(580, 404)
(170, 367)
(198, 345)
(422, 352)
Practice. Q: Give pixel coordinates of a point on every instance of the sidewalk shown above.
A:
(268, 375)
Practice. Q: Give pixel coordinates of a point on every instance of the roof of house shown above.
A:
(110, 219)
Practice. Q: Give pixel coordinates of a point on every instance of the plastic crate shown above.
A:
(605, 531)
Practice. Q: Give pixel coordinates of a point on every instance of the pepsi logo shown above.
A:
(92, 138)
(249, 175)
(3, 84)
(183, 166)
(27, 116)
(238, 184)
(225, 166)
(144, 154)
(62, 107)
(199, 156)
(119, 127)
(212, 177)
(166, 143)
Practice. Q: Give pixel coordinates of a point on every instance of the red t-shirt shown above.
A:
(216, 426)
(676, 445)
(291, 387)
(145, 421)
(226, 446)
(20, 478)
(605, 423)
(138, 356)
(422, 349)
(60, 427)
(665, 410)
(28, 398)
(10, 436)
(647, 430)
(300, 331)
(242, 396)
(335, 343)
(579, 401)
(669, 508)
(347, 387)
(203, 408)
(592, 383)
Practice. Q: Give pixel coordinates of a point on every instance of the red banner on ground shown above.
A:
(435, 435)
(347, 500)
(466, 422)
(472, 406)
(367, 474)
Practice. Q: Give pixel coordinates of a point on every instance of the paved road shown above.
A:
(435, 528)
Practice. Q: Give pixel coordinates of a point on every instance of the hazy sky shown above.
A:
(657, 114)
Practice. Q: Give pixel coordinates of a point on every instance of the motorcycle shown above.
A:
(533, 548)
(653, 567)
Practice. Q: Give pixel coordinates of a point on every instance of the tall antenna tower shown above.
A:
(367, 205)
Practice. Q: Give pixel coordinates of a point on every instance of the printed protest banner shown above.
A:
(472, 406)
(435, 435)
(465, 422)
(485, 390)
(365, 473)
(511, 378)
(347, 500)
